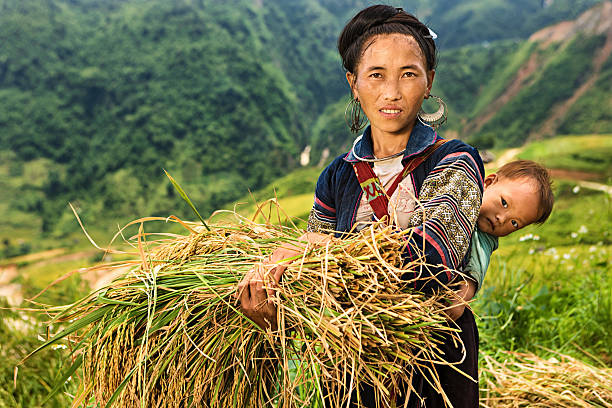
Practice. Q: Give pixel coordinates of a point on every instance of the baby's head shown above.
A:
(517, 195)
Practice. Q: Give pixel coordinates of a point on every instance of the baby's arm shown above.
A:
(465, 293)
(482, 247)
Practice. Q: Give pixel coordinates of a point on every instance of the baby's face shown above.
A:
(507, 205)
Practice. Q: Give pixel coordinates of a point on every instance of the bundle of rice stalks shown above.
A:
(170, 333)
(526, 380)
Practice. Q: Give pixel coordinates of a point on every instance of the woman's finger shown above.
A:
(245, 298)
(257, 291)
(244, 283)
(274, 278)
(271, 282)
(277, 273)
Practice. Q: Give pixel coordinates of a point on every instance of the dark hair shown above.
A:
(538, 174)
(381, 19)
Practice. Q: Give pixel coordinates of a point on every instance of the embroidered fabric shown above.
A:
(449, 201)
(315, 224)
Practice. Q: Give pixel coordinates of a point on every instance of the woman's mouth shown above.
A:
(390, 112)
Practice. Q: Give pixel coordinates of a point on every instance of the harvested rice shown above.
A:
(170, 333)
(526, 380)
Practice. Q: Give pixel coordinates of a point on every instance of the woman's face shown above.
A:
(391, 82)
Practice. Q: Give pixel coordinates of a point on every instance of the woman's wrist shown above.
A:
(316, 238)
(291, 250)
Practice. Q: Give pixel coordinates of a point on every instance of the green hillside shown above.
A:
(592, 111)
(477, 21)
(560, 76)
(97, 97)
(100, 96)
(557, 82)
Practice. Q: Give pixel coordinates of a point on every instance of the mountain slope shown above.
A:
(553, 89)
(128, 88)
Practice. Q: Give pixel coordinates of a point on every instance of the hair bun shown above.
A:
(382, 19)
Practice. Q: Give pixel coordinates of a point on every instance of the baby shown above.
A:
(517, 195)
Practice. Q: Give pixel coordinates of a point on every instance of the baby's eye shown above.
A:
(504, 203)
(515, 224)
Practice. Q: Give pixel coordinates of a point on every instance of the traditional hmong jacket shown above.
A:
(449, 187)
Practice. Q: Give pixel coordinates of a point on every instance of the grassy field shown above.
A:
(591, 154)
(549, 287)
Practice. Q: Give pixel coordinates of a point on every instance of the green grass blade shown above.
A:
(186, 198)
(77, 363)
(79, 324)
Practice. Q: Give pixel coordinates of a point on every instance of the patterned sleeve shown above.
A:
(322, 217)
(443, 222)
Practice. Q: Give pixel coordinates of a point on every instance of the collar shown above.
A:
(421, 138)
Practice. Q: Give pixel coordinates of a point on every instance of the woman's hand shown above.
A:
(255, 294)
(256, 290)
(465, 293)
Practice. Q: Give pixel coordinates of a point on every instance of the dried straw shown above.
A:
(170, 332)
(526, 380)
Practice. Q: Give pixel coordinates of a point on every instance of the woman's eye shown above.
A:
(504, 203)
(409, 74)
(375, 75)
(514, 224)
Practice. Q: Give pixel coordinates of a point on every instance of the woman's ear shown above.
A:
(352, 79)
(490, 179)
(430, 78)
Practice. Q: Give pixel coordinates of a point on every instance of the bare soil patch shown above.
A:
(574, 175)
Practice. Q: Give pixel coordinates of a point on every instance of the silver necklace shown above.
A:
(374, 160)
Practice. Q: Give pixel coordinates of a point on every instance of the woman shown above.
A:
(390, 59)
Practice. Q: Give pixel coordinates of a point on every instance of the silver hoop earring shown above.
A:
(355, 120)
(436, 119)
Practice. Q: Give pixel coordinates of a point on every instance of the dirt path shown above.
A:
(9, 290)
(596, 186)
(507, 156)
(51, 253)
(574, 175)
(69, 257)
(582, 178)
(98, 278)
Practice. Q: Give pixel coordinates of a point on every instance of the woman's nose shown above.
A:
(392, 92)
